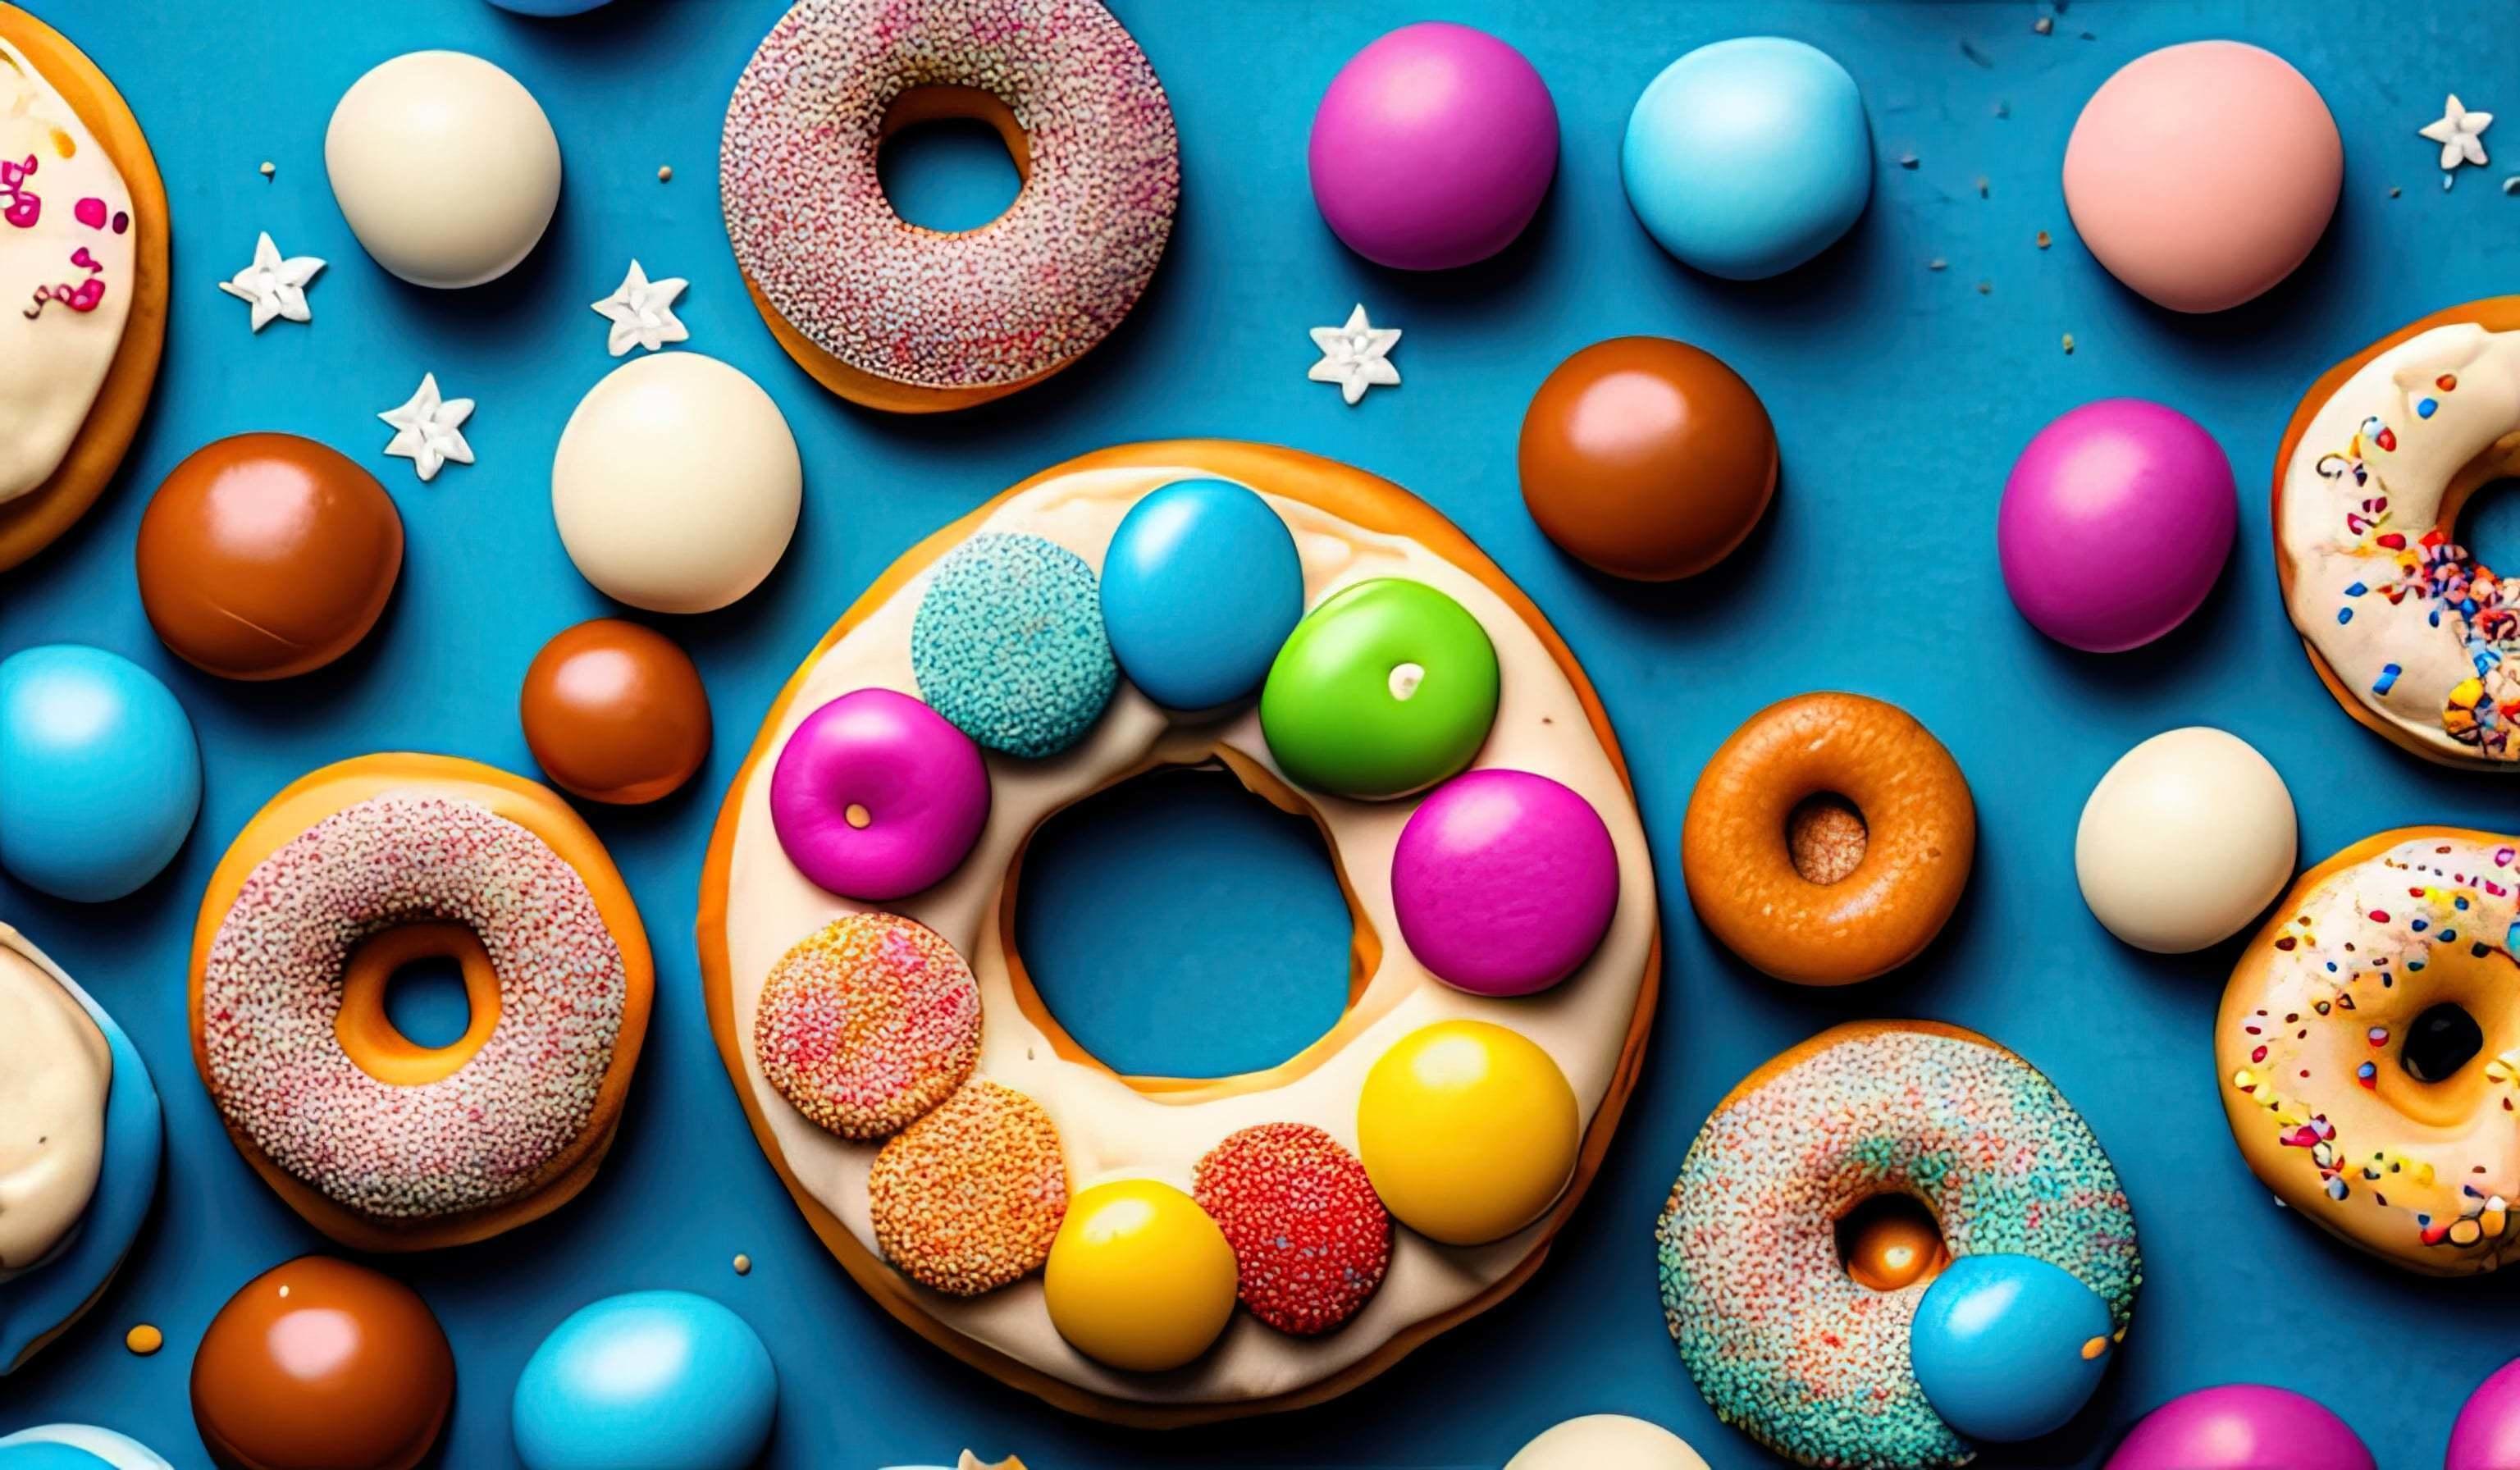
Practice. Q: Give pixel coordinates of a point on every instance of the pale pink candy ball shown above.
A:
(2201, 174)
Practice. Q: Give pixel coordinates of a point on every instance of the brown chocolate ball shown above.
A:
(1890, 1242)
(1646, 459)
(320, 1364)
(264, 555)
(615, 712)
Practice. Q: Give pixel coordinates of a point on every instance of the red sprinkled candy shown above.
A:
(1310, 1237)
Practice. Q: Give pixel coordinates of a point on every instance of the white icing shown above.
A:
(54, 362)
(1110, 1130)
(2349, 486)
(642, 312)
(1356, 356)
(429, 429)
(55, 1071)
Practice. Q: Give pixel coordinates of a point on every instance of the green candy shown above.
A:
(1386, 689)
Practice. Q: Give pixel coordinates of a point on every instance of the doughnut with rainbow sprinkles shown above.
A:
(348, 874)
(987, 1180)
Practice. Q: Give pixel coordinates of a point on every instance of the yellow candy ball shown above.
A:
(1468, 1130)
(1138, 1277)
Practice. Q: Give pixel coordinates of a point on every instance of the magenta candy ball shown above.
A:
(2487, 1436)
(1504, 883)
(877, 795)
(1434, 148)
(2115, 522)
(2241, 1426)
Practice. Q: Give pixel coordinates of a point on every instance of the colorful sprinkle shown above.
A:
(1311, 1237)
(969, 1198)
(869, 1023)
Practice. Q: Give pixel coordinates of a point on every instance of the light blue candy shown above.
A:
(100, 776)
(1007, 643)
(1749, 156)
(661, 1379)
(2002, 1345)
(1201, 587)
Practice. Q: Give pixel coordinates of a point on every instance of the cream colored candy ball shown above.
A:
(445, 167)
(677, 483)
(2184, 840)
(1607, 1442)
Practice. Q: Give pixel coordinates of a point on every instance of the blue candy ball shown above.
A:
(661, 1379)
(1201, 587)
(1749, 156)
(2008, 1347)
(100, 776)
(1007, 643)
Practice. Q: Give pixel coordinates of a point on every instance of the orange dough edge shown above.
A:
(320, 793)
(31, 522)
(1364, 499)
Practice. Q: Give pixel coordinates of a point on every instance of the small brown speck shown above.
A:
(1981, 186)
(1986, 288)
(665, 175)
(744, 1266)
(2069, 344)
(2044, 25)
(2046, 240)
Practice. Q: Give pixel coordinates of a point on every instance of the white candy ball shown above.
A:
(1607, 1442)
(677, 485)
(2184, 841)
(445, 167)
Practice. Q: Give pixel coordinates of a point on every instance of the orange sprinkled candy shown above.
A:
(969, 1197)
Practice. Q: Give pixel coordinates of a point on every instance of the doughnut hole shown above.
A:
(425, 1001)
(427, 959)
(2487, 518)
(1888, 1241)
(2427, 1052)
(1825, 837)
(951, 160)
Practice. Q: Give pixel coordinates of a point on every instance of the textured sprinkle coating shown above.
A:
(867, 1023)
(1007, 643)
(1310, 1237)
(969, 1197)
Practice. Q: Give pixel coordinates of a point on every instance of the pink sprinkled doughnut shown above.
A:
(867, 1023)
(360, 867)
(894, 316)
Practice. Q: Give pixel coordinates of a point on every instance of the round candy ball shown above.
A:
(1504, 883)
(318, 1362)
(2201, 174)
(1607, 1441)
(2487, 1434)
(1747, 157)
(1201, 586)
(663, 1379)
(2184, 840)
(877, 796)
(677, 485)
(265, 556)
(1387, 687)
(1434, 148)
(1646, 459)
(2115, 522)
(615, 712)
(2241, 1426)
(1140, 1277)
(1468, 1130)
(470, 129)
(88, 1446)
(2008, 1347)
(100, 775)
(1889, 1241)
(1007, 643)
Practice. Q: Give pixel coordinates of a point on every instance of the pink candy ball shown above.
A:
(1434, 148)
(1504, 883)
(2241, 1426)
(2201, 174)
(2115, 522)
(875, 796)
(2487, 1436)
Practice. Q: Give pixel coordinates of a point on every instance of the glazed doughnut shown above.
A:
(1784, 1341)
(837, 1019)
(2369, 1048)
(894, 316)
(80, 1138)
(83, 272)
(1824, 892)
(368, 865)
(2414, 635)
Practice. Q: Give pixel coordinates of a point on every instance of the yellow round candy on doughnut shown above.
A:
(1139, 1278)
(1468, 1130)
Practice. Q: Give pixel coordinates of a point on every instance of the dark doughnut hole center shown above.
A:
(1825, 837)
(2488, 524)
(427, 1001)
(1890, 1242)
(2442, 1040)
(951, 158)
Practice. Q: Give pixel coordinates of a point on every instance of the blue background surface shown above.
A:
(1901, 393)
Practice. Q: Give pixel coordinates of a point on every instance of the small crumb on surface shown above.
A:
(2003, 109)
(1986, 288)
(1938, 263)
(2046, 240)
(2044, 25)
(267, 170)
(665, 174)
(2511, 185)
(1981, 186)
(2069, 344)
(2395, 191)
(743, 1266)
(144, 1339)
(1907, 160)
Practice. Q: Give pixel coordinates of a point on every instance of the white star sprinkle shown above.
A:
(427, 429)
(1354, 357)
(2460, 133)
(642, 312)
(275, 287)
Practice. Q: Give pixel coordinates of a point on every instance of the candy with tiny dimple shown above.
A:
(2241, 1426)
(2008, 1347)
(1503, 881)
(877, 796)
(665, 1378)
(1387, 687)
(1201, 586)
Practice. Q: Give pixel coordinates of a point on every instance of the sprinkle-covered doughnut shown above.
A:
(357, 870)
(899, 317)
(969, 1197)
(2369, 1048)
(1310, 1237)
(1783, 1343)
(867, 1024)
(1008, 645)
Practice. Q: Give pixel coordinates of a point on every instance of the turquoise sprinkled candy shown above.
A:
(1008, 645)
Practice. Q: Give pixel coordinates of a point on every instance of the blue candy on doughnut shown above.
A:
(1008, 645)
(75, 1446)
(100, 775)
(666, 1379)
(1201, 587)
(2008, 1347)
